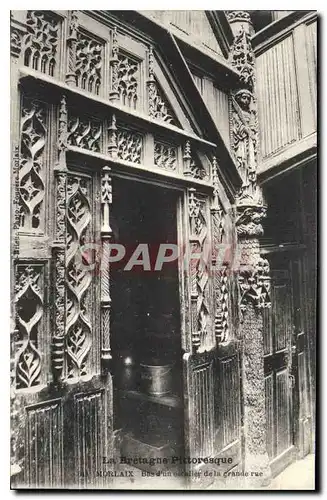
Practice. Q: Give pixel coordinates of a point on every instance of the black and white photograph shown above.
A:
(163, 250)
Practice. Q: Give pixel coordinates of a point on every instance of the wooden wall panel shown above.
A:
(218, 104)
(190, 22)
(89, 440)
(230, 403)
(227, 402)
(269, 391)
(277, 97)
(311, 46)
(280, 317)
(44, 443)
(203, 409)
(282, 411)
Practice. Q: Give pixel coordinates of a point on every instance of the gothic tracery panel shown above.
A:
(89, 63)
(192, 166)
(78, 277)
(159, 108)
(85, 132)
(129, 145)
(165, 156)
(128, 80)
(41, 41)
(29, 312)
(32, 168)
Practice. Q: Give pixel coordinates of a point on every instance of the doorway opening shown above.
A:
(146, 325)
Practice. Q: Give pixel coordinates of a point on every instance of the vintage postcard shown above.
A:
(164, 249)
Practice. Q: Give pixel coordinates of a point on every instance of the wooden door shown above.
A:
(302, 409)
(279, 371)
(61, 400)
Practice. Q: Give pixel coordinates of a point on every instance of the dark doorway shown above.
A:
(145, 326)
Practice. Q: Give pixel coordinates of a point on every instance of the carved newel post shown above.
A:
(254, 281)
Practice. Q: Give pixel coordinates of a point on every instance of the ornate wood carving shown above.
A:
(31, 172)
(220, 269)
(165, 155)
(253, 279)
(129, 145)
(158, 106)
(238, 15)
(112, 138)
(254, 285)
(89, 63)
(244, 140)
(124, 76)
(199, 276)
(242, 57)
(114, 91)
(106, 233)
(71, 48)
(59, 247)
(16, 41)
(29, 311)
(128, 80)
(41, 41)
(85, 133)
(78, 278)
(192, 167)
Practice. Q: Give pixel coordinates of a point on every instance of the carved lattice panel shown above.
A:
(31, 182)
(79, 327)
(129, 145)
(85, 132)
(165, 155)
(29, 308)
(89, 63)
(159, 107)
(42, 41)
(128, 76)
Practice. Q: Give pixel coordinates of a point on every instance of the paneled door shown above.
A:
(279, 371)
(61, 399)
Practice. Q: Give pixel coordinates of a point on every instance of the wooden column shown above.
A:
(253, 275)
(59, 247)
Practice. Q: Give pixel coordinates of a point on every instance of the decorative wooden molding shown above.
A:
(112, 138)
(199, 273)
(59, 248)
(114, 92)
(106, 233)
(79, 328)
(71, 48)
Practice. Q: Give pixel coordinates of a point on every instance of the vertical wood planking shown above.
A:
(89, 437)
(283, 411)
(269, 394)
(44, 445)
(277, 97)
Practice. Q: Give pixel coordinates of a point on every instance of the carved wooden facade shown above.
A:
(93, 100)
